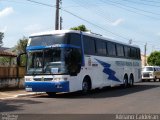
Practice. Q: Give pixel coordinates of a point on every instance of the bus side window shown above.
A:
(89, 45)
(120, 51)
(101, 48)
(75, 39)
(127, 51)
(133, 53)
(111, 48)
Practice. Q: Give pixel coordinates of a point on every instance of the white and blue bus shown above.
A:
(68, 61)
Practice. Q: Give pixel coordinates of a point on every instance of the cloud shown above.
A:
(158, 34)
(33, 28)
(5, 12)
(117, 22)
(4, 29)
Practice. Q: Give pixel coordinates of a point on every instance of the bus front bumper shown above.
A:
(51, 86)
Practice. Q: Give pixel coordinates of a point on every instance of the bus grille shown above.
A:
(43, 79)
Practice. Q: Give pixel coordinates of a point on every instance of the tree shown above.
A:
(21, 45)
(21, 48)
(81, 28)
(154, 59)
(1, 38)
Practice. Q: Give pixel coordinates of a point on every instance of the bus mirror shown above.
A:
(22, 59)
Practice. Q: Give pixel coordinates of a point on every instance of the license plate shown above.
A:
(29, 89)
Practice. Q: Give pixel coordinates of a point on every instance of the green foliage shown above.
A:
(21, 48)
(1, 38)
(154, 59)
(81, 28)
(21, 45)
(4, 60)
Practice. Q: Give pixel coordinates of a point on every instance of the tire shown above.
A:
(131, 81)
(86, 87)
(51, 94)
(143, 80)
(155, 79)
(125, 82)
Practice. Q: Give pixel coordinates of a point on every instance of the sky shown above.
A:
(122, 20)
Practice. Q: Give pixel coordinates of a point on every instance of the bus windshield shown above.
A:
(48, 61)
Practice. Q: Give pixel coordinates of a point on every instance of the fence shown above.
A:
(12, 72)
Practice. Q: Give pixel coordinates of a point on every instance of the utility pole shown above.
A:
(130, 41)
(145, 51)
(61, 21)
(57, 15)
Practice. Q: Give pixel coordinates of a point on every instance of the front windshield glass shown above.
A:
(54, 61)
(48, 40)
(48, 61)
(35, 62)
(148, 69)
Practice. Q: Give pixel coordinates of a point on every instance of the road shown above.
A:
(142, 98)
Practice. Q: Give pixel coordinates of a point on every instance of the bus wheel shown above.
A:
(131, 81)
(51, 94)
(86, 86)
(125, 81)
(155, 79)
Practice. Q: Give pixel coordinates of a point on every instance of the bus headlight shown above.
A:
(150, 74)
(28, 79)
(60, 79)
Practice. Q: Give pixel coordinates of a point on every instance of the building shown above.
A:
(7, 58)
(143, 59)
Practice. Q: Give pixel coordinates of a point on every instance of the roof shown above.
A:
(7, 54)
(75, 31)
(3, 48)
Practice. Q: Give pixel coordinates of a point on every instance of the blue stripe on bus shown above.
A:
(58, 45)
(47, 86)
(107, 70)
(35, 47)
(69, 46)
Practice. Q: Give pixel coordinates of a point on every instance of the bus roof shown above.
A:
(76, 31)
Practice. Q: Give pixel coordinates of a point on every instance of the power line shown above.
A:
(97, 10)
(41, 3)
(113, 4)
(103, 14)
(150, 1)
(80, 18)
(84, 20)
(95, 25)
(141, 3)
(13, 1)
(135, 8)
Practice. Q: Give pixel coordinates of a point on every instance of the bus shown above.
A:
(69, 61)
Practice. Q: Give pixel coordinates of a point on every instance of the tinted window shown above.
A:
(75, 39)
(101, 47)
(149, 69)
(111, 48)
(126, 51)
(120, 51)
(133, 53)
(89, 45)
(48, 40)
(138, 54)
